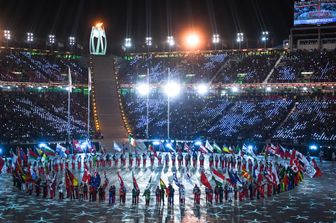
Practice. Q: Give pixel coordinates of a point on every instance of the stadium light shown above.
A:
(198, 143)
(42, 145)
(148, 41)
(313, 147)
(172, 89)
(7, 35)
(192, 40)
(72, 40)
(215, 38)
(268, 89)
(264, 36)
(128, 43)
(202, 89)
(240, 37)
(156, 142)
(305, 89)
(51, 39)
(30, 37)
(234, 89)
(170, 41)
(143, 89)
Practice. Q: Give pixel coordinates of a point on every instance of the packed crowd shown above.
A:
(283, 118)
(231, 67)
(40, 67)
(234, 176)
(30, 116)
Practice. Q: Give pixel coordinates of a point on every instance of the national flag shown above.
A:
(248, 150)
(162, 185)
(217, 148)
(131, 140)
(208, 146)
(47, 150)
(61, 150)
(170, 147)
(280, 151)
(151, 149)
(70, 80)
(227, 149)
(246, 174)
(86, 176)
(292, 157)
(218, 177)
(2, 163)
(234, 179)
(32, 154)
(95, 180)
(202, 149)
(135, 184)
(120, 180)
(149, 183)
(188, 178)
(116, 147)
(205, 181)
(176, 181)
(70, 179)
(187, 148)
(271, 149)
(89, 80)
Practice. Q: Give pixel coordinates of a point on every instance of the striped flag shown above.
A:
(208, 146)
(135, 184)
(205, 181)
(217, 148)
(176, 181)
(131, 140)
(162, 185)
(187, 148)
(218, 176)
(120, 180)
(202, 149)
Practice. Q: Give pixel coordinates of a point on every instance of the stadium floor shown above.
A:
(313, 201)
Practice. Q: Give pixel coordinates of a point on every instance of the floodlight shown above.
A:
(192, 40)
(128, 43)
(156, 143)
(234, 89)
(42, 145)
(172, 89)
(30, 37)
(240, 37)
(268, 89)
(7, 34)
(148, 41)
(170, 40)
(215, 38)
(72, 40)
(202, 89)
(143, 89)
(51, 39)
(264, 36)
(250, 147)
(305, 89)
(198, 143)
(313, 147)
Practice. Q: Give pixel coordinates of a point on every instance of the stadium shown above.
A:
(110, 122)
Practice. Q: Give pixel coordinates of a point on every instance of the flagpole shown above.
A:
(168, 107)
(69, 108)
(89, 103)
(147, 102)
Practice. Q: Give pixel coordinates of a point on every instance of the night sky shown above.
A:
(75, 17)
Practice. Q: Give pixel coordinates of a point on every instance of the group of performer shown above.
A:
(236, 177)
